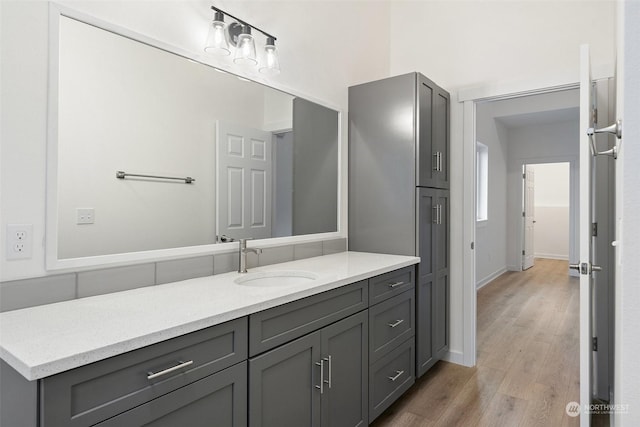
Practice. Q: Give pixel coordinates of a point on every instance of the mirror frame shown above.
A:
(52, 262)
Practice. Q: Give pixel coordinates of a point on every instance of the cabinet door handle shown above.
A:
(321, 386)
(435, 162)
(396, 323)
(180, 365)
(439, 214)
(395, 285)
(435, 214)
(328, 359)
(439, 161)
(396, 376)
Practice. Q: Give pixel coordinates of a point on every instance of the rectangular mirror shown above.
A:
(249, 161)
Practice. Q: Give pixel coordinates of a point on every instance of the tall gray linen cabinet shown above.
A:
(399, 191)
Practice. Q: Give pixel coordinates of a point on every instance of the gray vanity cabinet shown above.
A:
(317, 380)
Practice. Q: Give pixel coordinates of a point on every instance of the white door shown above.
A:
(244, 181)
(584, 264)
(528, 215)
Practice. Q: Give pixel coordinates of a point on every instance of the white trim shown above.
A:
(561, 257)
(511, 267)
(52, 263)
(469, 235)
(454, 357)
(490, 278)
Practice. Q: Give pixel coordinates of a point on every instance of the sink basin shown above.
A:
(276, 278)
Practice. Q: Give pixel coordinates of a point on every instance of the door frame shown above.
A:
(469, 100)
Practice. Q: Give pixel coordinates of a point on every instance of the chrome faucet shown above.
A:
(243, 254)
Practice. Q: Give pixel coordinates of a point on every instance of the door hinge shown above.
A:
(523, 252)
(594, 229)
(594, 343)
(595, 115)
(524, 176)
(523, 214)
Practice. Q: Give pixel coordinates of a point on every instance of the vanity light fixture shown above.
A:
(222, 38)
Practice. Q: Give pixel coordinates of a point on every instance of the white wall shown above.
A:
(479, 43)
(551, 204)
(491, 235)
(627, 369)
(316, 62)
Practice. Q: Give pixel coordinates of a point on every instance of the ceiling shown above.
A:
(540, 118)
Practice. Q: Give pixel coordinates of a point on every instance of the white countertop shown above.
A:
(49, 339)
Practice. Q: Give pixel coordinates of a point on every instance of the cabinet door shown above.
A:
(440, 295)
(219, 399)
(345, 355)
(441, 137)
(433, 134)
(427, 202)
(432, 292)
(282, 385)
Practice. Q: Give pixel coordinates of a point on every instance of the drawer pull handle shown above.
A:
(396, 323)
(398, 375)
(180, 365)
(328, 359)
(395, 285)
(321, 386)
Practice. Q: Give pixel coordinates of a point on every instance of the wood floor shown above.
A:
(528, 359)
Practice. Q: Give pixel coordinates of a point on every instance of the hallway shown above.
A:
(528, 359)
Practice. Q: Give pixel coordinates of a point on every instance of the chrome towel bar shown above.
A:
(123, 175)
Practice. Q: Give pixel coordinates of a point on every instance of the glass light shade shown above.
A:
(217, 40)
(245, 49)
(270, 65)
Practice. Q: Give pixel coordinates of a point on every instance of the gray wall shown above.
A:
(315, 174)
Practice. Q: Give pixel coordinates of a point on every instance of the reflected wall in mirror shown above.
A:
(265, 163)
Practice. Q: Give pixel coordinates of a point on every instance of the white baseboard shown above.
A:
(454, 357)
(561, 257)
(490, 277)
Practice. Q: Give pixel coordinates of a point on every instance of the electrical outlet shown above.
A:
(85, 216)
(19, 241)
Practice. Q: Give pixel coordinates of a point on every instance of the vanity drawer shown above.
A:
(390, 323)
(221, 397)
(275, 326)
(95, 392)
(390, 377)
(390, 284)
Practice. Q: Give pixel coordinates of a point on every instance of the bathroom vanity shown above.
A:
(325, 341)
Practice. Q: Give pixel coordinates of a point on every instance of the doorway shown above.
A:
(546, 207)
(541, 145)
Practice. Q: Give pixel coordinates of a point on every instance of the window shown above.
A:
(482, 181)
